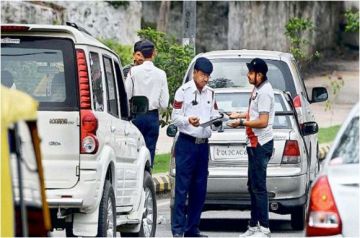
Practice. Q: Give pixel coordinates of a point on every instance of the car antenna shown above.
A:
(72, 24)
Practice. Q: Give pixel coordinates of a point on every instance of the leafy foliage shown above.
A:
(294, 30)
(173, 58)
(124, 51)
(352, 21)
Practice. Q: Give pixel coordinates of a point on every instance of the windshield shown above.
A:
(233, 73)
(348, 148)
(239, 102)
(43, 68)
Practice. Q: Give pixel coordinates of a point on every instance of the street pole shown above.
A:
(189, 23)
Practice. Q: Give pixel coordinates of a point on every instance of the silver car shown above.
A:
(334, 197)
(288, 172)
(230, 71)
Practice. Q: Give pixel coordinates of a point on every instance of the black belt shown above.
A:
(195, 140)
(153, 111)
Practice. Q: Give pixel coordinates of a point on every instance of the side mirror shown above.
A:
(171, 130)
(138, 105)
(310, 128)
(319, 94)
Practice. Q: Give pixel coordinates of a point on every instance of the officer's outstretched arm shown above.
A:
(178, 117)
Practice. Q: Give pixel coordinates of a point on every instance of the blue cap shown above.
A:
(257, 65)
(204, 65)
(137, 46)
(147, 48)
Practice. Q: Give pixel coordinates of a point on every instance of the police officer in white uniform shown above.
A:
(194, 104)
(259, 121)
(148, 80)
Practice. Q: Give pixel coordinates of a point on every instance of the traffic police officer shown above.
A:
(148, 80)
(258, 123)
(194, 103)
(138, 58)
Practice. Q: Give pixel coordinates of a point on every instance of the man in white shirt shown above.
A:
(194, 104)
(259, 121)
(148, 80)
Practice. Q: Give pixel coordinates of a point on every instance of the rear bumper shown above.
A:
(280, 206)
(84, 195)
(231, 192)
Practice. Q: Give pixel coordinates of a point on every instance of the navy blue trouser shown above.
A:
(258, 158)
(190, 181)
(149, 124)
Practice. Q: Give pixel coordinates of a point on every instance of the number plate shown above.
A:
(230, 152)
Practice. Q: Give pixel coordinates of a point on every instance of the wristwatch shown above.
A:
(241, 122)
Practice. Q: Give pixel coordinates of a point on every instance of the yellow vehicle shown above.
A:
(24, 210)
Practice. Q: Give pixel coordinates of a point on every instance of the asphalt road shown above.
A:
(225, 223)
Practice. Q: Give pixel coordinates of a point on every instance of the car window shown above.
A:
(233, 73)
(348, 148)
(42, 67)
(96, 82)
(239, 102)
(124, 110)
(110, 87)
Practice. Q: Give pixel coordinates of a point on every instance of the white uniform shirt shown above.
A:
(261, 101)
(148, 80)
(188, 102)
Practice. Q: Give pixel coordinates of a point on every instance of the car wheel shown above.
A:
(107, 212)
(298, 218)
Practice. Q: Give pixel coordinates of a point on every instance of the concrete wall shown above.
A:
(261, 25)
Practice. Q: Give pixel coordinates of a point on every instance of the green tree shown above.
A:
(295, 30)
(173, 58)
(352, 21)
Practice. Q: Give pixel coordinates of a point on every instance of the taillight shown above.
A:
(14, 28)
(291, 153)
(88, 122)
(323, 216)
(298, 108)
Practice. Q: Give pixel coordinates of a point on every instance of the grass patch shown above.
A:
(328, 134)
(161, 164)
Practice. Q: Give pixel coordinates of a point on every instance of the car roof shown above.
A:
(78, 36)
(240, 90)
(244, 53)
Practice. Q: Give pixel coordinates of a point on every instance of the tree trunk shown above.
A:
(163, 16)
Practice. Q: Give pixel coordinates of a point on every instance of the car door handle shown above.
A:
(112, 129)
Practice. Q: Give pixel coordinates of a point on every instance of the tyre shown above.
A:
(107, 212)
(298, 218)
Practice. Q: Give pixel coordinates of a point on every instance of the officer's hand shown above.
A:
(195, 121)
(233, 124)
(234, 115)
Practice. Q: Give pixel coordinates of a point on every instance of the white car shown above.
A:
(230, 70)
(288, 173)
(334, 197)
(97, 167)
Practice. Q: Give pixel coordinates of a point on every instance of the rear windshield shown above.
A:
(42, 67)
(239, 102)
(233, 73)
(348, 148)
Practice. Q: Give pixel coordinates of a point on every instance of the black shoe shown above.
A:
(195, 235)
(177, 235)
